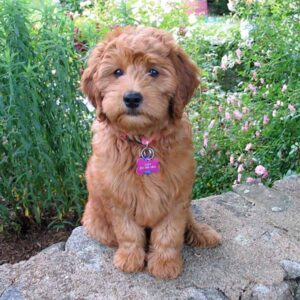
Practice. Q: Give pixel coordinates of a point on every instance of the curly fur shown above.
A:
(122, 204)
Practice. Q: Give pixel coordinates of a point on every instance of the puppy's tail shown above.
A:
(200, 235)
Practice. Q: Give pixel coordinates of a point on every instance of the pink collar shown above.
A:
(140, 140)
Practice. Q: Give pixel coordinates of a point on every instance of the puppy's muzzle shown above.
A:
(132, 99)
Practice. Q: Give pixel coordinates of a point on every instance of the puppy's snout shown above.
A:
(132, 99)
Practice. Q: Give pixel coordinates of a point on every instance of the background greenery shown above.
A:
(245, 115)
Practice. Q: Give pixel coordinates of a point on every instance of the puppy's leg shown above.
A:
(200, 235)
(97, 224)
(130, 256)
(164, 259)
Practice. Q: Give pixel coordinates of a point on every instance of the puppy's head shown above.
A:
(139, 79)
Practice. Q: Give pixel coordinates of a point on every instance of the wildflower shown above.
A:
(278, 104)
(248, 147)
(182, 31)
(266, 120)
(274, 113)
(239, 178)
(238, 54)
(53, 72)
(215, 146)
(250, 180)
(240, 158)
(245, 110)
(205, 139)
(211, 124)
(254, 75)
(246, 126)
(262, 81)
(227, 115)
(220, 108)
(224, 62)
(231, 160)
(252, 88)
(85, 3)
(284, 88)
(291, 107)
(240, 168)
(261, 171)
(257, 64)
(237, 115)
(202, 152)
(257, 133)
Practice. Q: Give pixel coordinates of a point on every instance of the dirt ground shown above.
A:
(14, 248)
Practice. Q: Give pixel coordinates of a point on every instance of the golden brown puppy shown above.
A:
(141, 172)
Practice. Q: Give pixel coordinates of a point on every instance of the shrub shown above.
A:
(254, 122)
(44, 125)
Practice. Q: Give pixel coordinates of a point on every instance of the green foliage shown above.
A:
(249, 112)
(43, 123)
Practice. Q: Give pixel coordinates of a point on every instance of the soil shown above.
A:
(15, 248)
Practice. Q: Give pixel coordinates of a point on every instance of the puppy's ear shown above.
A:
(187, 81)
(88, 80)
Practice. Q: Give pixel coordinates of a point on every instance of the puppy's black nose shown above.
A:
(132, 99)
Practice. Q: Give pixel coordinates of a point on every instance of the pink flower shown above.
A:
(284, 88)
(211, 124)
(262, 81)
(231, 100)
(250, 180)
(220, 108)
(239, 103)
(231, 159)
(205, 139)
(261, 171)
(257, 133)
(266, 120)
(257, 64)
(245, 110)
(292, 108)
(240, 168)
(248, 147)
(238, 54)
(227, 115)
(246, 126)
(237, 115)
(252, 88)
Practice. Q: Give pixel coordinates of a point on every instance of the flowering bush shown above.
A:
(250, 132)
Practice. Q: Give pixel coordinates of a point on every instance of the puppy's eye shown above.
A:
(153, 73)
(118, 73)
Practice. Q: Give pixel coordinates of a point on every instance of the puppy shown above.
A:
(141, 172)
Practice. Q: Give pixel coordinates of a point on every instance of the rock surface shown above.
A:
(259, 258)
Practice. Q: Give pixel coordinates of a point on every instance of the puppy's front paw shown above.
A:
(164, 267)
(130, 259)
(202, 235)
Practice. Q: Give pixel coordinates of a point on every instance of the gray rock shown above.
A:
(281, 291)
(92, 253)
(11, 293)
(54, 248)
(292, 269)
(258, 258)
(203, 294)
